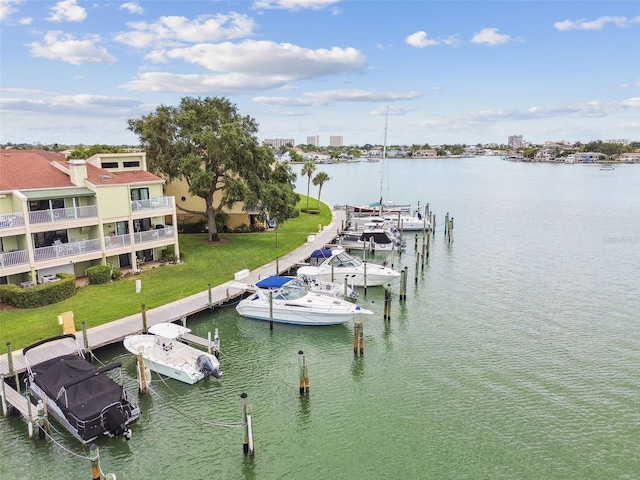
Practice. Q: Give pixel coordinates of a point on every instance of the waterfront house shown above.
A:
(59, 215)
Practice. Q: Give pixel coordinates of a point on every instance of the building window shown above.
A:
(109, 164)
(139, 194)
(131, 164)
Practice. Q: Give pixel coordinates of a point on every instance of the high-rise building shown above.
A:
(313, 140)
(515, 141)
(279, 142)
(335, 141)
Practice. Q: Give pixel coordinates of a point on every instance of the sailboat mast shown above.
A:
(384, 157)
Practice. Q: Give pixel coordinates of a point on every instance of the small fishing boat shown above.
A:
(165, 353)
(336, 264)
(372, 237)
(80, 396)
(607, 167)
(286, 300)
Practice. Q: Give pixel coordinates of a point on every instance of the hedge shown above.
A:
(39, 295)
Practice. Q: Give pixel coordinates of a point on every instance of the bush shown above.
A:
(40, 295)
(99, 274)
(195, 227)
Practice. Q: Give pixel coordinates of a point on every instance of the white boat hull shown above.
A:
(375, 276)
(284, 300)
(172, 359)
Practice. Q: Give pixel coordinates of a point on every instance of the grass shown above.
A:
(203, 263)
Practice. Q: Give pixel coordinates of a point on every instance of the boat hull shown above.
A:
(374, 277)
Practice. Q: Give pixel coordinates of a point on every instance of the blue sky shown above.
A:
(445, 71)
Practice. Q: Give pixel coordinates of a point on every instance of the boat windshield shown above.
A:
(290, 291)
(345, 260)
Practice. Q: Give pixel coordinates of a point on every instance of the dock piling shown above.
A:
(144, 318)
(247, 444)
(142, 374)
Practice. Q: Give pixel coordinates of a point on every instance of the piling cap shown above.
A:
(300, 352)
(243, 395)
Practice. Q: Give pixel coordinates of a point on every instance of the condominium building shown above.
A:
(515, 141)
(279, 142)
(314, 140)
(335, 141)
(59, 215)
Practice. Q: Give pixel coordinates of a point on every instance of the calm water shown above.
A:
(515, 356)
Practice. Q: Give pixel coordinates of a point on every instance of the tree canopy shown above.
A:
(207, 143)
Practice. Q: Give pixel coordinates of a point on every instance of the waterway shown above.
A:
(515, 355)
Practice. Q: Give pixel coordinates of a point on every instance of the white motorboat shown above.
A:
(80, 396)
(287, 300)
(343, 291)
(407, 223)
(333, 265)
(165, 353)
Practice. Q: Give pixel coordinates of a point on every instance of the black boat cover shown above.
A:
(84, 399)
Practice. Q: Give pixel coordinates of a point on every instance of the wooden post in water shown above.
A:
(210, 303)
(144, 318)
(94, 456)
(216, 343)
(403, 285)
(41, 420)
(356, 332)
(428, 245)
(29, 413)
(271, 311)
(5, 408)
(415, 245)
(446, 224)
(387, 303)
(142, 374)
(346, 288)
(424, 254)
(304, 374)
(365, 278)
(301, 371)
(417, 267)
(451, 230)
(247, 444)
(433, 223)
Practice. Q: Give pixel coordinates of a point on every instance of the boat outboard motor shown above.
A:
(115, 423)
(205, 365)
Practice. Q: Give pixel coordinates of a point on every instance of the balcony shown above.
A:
(153, 235)
(117, 241)
(63, 214)
(9, 220)
(64, 250)
(12, 259)
(151, 204)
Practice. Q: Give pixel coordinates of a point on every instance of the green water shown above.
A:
(515, 355)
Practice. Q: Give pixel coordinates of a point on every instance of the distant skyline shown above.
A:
(446, 72)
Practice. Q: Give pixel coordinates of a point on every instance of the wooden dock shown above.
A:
(115, 331)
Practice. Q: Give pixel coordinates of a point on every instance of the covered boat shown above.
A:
(80, 396)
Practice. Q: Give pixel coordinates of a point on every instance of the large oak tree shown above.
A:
(207, 143)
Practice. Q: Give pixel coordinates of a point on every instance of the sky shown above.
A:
(415, 72)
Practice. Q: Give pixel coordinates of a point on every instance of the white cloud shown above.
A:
(67, 11)
(632, 84)
(490, 36)
(25, 21)
(7, 7)
(333, 96)
(420, 40)
(597, 24)
(132, 7)
(175, 30)
(280, 61)
(57, 45)
(293, 5)
(81, 104)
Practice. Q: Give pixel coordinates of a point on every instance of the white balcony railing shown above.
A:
(8, 220)
(10, 259)
(117, 241)
(153, 235)
(67, 250)
(63, 214)
(151, 204)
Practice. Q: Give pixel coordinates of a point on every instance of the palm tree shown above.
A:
(320, 180)
(308, 169)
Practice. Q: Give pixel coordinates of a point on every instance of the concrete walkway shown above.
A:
(116, 330)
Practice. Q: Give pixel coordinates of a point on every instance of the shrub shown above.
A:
(99, 274)
(40, 295)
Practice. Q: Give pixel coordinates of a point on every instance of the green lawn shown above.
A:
(202, 264)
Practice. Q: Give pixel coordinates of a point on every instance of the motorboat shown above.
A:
(336, 264)
(164, 352)
(372, 237)
(78, 395)
(285, 299)
(396, 222)
(607, 167)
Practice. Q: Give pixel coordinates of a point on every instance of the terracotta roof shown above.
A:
(30, 169)
(25, 169)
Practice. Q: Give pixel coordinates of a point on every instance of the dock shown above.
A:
(117, 330)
